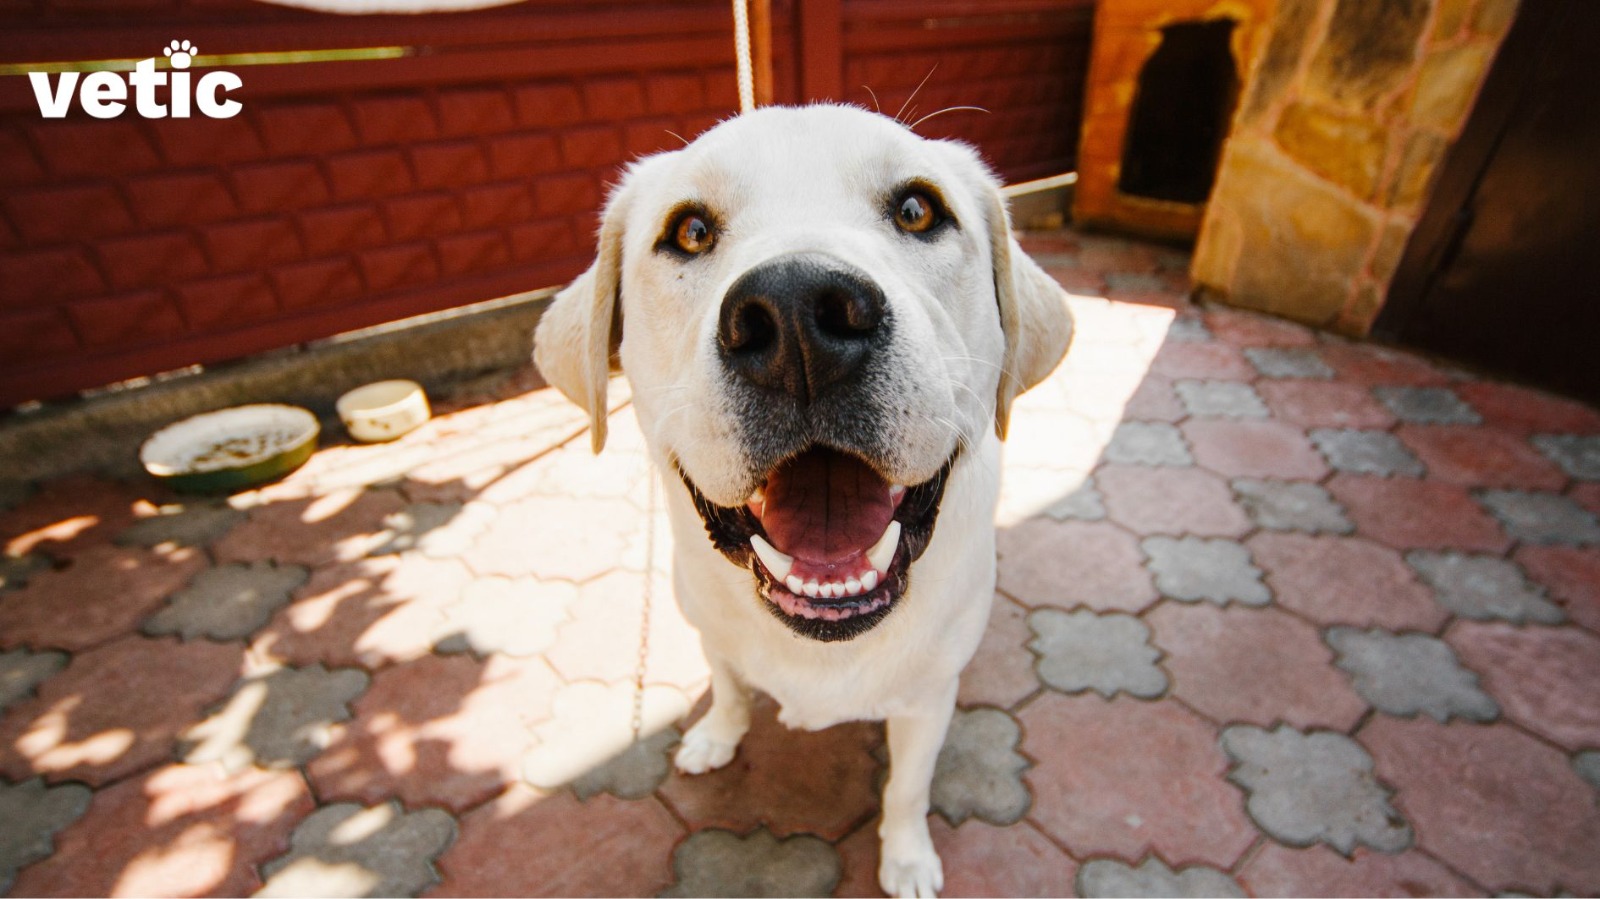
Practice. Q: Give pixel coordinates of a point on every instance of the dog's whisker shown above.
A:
(945, 110)
(875, 105)
(678, 136)
(914, 93)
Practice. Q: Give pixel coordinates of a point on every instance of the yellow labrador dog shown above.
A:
(825, 320)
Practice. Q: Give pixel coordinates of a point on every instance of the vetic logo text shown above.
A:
(104, 95)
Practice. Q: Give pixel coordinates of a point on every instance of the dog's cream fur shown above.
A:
(976, 323)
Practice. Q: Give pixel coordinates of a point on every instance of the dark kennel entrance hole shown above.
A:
(1180, 114)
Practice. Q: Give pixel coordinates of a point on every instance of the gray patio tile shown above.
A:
(228, 602)
(1188, 329)
(280, 719)
(1578, 456)
(1587, 764)
(183, 524)
(1195, 568)
(31, 814)
(1105, 878)
(719, 863)
(1107, 653)
(1404, 674)
(635, 772)
(1291, 506)
(1220, 399)
(1288, 362)
(1082, 504)
(1366, 452)
(1309, 788)
(1541, 517)
(979, 771)
(1148, 443)
(16, 570)
(1427, 405)
(1484, 587)
(346, 850)
(22, 670)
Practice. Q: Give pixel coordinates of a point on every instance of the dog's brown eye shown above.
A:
(693, 234)
(915, 213)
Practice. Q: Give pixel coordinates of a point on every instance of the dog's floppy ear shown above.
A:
(581, 330)
(1033, 307)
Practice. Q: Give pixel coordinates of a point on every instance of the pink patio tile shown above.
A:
(1206, 361)
(1126, 777)
(1049, 241)
(556, 537)
(528, 843)
(1543, 677)
(1246, 329)
(1252, 666)
(1170, 501)
(337, 526)
(1526, 411)
(116, 709)
(1411, 514)
(1320, 871)
(1571, 574)
(1115, 254)
(1081, 281)
(1001, 672)
(979, 859)
(66, 515)
(1375, 366)
(364, 613)
(1154, 400)
(1346, 580)
(792, 781)
(103, 592)
(1492, 802)
(1324, 404)
(1073, 563)
(180, 830)
(1257, 449)
(447, 731)
(1481, 457)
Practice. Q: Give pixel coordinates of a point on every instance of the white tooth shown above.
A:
(882, 552)
(829, 591)
(869, 580)
(852, 587)
(895, 490)
(811, 589)
(777, 563)
(794, 583)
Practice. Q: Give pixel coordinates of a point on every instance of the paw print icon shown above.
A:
(182, 53)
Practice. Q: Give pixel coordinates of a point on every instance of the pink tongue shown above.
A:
(825, 506)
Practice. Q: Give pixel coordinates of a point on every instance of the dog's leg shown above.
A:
(908, 865)
(714, 739)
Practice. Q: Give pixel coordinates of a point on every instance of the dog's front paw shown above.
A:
(704, 749)
(910, 867)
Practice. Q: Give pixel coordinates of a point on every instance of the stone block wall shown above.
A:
(1346, 119)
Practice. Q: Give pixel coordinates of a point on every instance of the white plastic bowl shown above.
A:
(384, 410)
(231, 448)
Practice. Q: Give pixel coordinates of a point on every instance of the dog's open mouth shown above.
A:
(829, 540)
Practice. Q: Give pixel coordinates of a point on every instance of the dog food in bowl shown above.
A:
(231, 448)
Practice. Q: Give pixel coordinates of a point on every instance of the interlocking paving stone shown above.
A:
(183, 524)
(346, 850)
(1543, 677)
(719, 863)
(1324, 404)
(1188, 328)
(104, 593)
(1294, 362)
(411, 527)
(1170, 501)
(633, 773)
(1220, 399)
(591, 723)
(1317, 787)
(1111, 879)
(1571, 574)
(979, 772)
(1242, 328)
(1366, 452)
(15, 570)
(1104, 653)
(1475, 456)
(1148, 443)
(1096, 564)
(1541, 517)
(1483, 587)
(337, 526)
(1404, 674)
(516, 617)
(1254, 449)
(1001, 671)
(1577, 454)
(1345, 580)
(278, 719)
(21, 671)
(1427, 405)
(229, 602)
(32, 814)
(1291, 506)
(1277, 870)
(1417, 514)
(1528, 411)
(1587, 764)
(1194, 569)
(1082, 504)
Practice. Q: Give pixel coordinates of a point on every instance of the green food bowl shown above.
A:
(231, 448)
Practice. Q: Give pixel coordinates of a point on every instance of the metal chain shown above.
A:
(644, 619)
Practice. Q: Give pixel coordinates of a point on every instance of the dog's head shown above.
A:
(817, 310)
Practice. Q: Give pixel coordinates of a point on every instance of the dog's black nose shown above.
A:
(800, 323)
